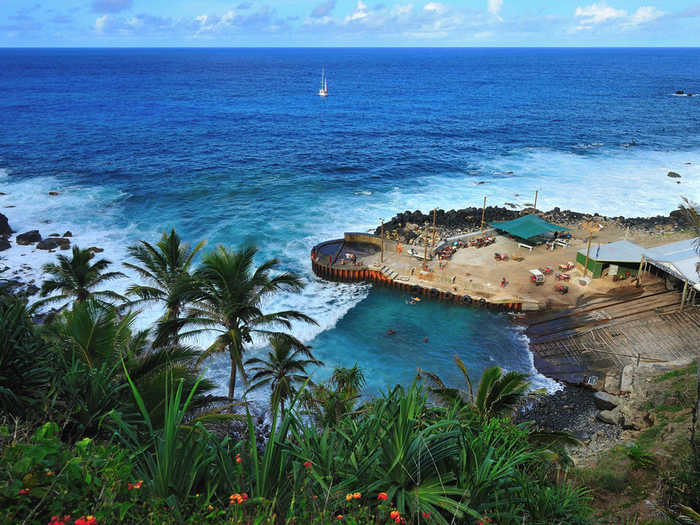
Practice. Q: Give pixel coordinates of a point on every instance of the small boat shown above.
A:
(323, 92)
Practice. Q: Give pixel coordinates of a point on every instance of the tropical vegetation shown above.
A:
(102, 423)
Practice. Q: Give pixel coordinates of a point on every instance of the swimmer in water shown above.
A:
(392, 332)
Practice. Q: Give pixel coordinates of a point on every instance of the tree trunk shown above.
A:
(232, 379)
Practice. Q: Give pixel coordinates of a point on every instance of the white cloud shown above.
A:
(101, 23)
(495, 7)
(358, 13)
(435, 7)
(597, 13)
(645, 14)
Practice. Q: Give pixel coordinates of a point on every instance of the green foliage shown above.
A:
(640, 457)
(26, 361)
(76, 278)
(691, 370)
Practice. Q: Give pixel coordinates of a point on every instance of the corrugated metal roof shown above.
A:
(678, 258)
(620, 251)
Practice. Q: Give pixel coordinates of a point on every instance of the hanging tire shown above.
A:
(449, 296)
(482, 302)
(466, 299)
(416, 289)
(434, 292)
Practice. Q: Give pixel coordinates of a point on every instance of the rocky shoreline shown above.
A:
(407, 226)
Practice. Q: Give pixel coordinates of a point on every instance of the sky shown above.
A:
(349, 23)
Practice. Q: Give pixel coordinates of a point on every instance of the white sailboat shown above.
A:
(323, 92)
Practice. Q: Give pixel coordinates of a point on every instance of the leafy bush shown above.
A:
(640, 458)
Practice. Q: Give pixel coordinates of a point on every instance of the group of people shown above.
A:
(480, 242)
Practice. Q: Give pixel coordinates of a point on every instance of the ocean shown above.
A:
(234, 146)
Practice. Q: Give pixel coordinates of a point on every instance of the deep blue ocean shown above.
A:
(233, 145)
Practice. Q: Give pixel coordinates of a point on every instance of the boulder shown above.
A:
(4, 245)
(611, 417)
(64, 244)
(95, 249)
(54, 235)
(605, 401)
(30, 237)
(47, 244)
(53, 193)
(627, 424)
(68, 234)
(30, 290)
(673, 175)
(680, 92)
(5, 226)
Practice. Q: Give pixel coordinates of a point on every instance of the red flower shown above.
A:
(339, 516)
(238, 458)
(426, 515)
(57, 520)
(136, 485)
(24, 491)
(307, 464)
(90, 520)
(382, 496)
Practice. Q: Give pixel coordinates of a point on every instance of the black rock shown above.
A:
(30, 290)
(68, 234)
(673, 175)
(47, 244)
(30, 237)
(5, 226)
(680, 92)
(53, 193)
(4, 245)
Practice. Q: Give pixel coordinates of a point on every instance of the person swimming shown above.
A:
(391, 332)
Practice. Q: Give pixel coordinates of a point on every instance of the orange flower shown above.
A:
(382, 496)
(238, 458)
(357, 495)
(395, 514)
(136, 485)
(339, 516)
(237, 498)
(348, 497)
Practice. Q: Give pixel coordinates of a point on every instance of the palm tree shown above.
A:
(76, 278)
(100, 348)
(498, 393)
(226, 294)
(163, 267)
(283, 369)
(335, 399)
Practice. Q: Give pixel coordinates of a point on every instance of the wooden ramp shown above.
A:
(594, 342)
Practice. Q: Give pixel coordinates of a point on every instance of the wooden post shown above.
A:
(585, 268)
(640, 273)
(433, 244)
(534, 206)
(425, 253)
(483, 213)
(382, 256)
(685, 290)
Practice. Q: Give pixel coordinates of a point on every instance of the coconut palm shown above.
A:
(163, 267)
(283, 370)
(227, 293)
(101, 347)
(497, 395)
(77, 278)
(333, 400)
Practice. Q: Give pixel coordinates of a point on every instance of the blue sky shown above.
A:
(349, 23)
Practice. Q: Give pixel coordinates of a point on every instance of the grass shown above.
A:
(693, 369)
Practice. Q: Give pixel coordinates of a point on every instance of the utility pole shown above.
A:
(433, 244)
(425, 253)
(534, 206)
(588, 251)
(483, 213)
(382, 256)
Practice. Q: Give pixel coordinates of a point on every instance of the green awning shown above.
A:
(528, 226)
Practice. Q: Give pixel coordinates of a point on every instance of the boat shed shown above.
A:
(613, 259)
(681, 264)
